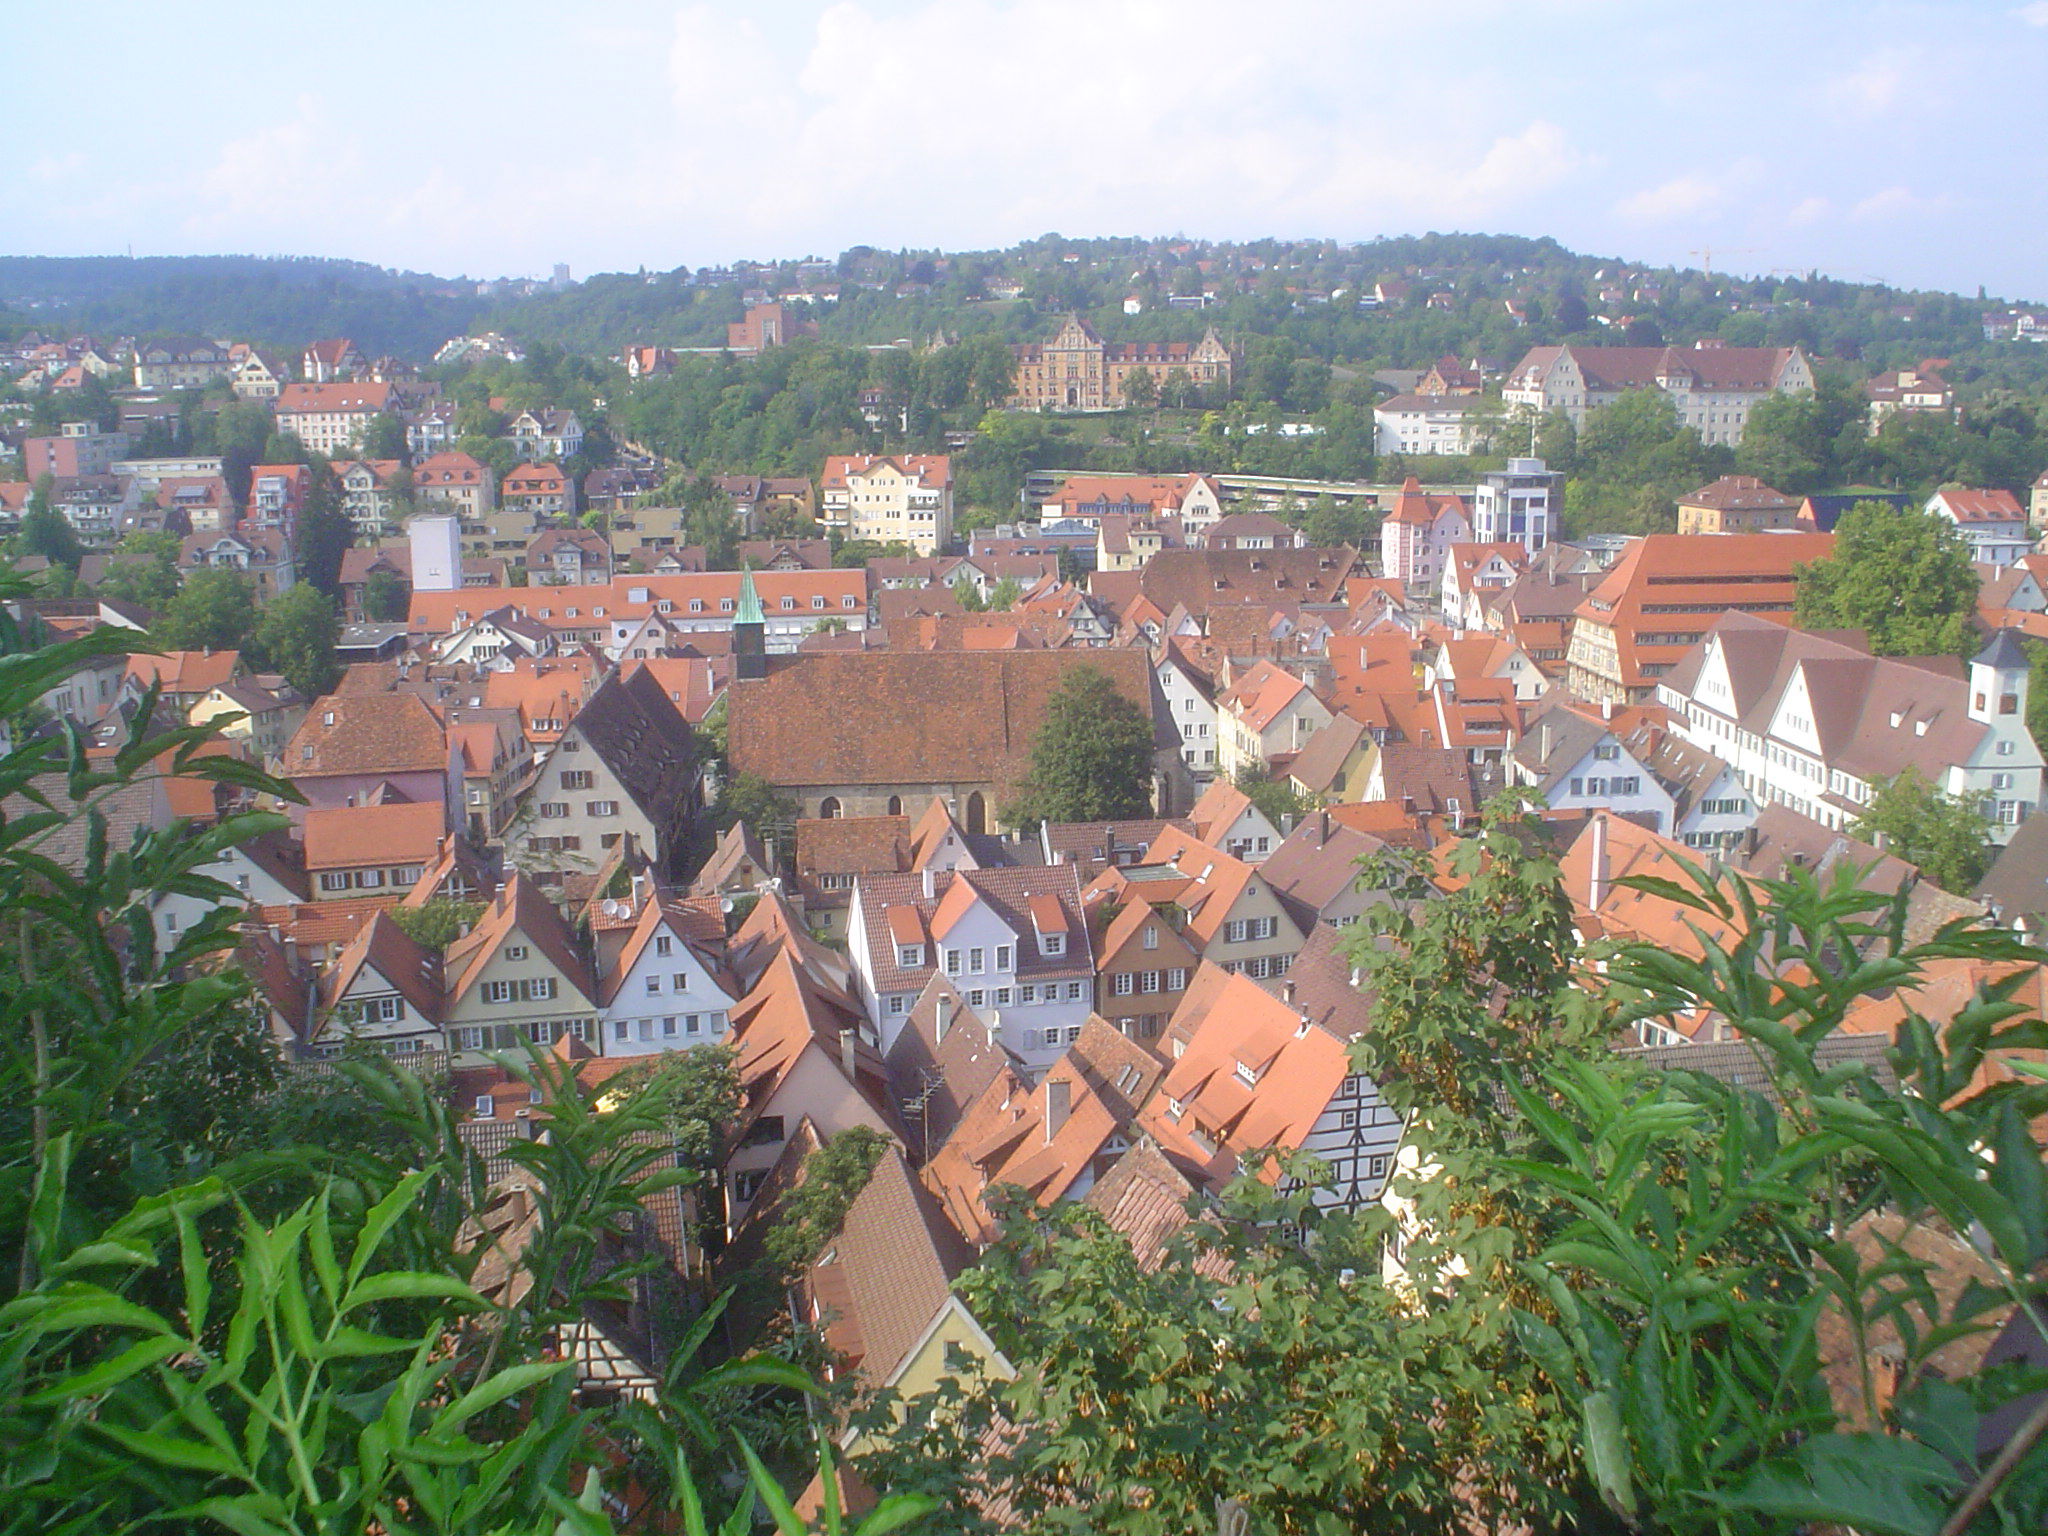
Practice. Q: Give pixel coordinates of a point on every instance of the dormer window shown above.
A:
(1052, 943)
(909, 956)
(1247, 1073)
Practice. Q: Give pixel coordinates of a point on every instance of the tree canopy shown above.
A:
(1092, 757)
(295, 634)
(1948, 838)
(1902, 576)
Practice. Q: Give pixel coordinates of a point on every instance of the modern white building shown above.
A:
(1419, 424)
(1517, 505)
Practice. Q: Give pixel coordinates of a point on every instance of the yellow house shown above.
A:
(268, 719)
(1334, 764)
(1126, 543)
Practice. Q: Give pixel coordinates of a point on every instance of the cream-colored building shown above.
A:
(327, 417)
(900, 499)
(1712, 386)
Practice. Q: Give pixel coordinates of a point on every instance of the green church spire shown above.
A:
(750, 600)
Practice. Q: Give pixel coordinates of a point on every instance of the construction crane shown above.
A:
(1706, 255)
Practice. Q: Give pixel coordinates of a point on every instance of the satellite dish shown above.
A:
(725, 904)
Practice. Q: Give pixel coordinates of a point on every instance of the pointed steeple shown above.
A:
(750, 600)
(749, 631)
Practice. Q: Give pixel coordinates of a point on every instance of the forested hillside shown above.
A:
(1449, 294)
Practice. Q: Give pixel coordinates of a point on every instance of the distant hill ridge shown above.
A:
(1399, 301)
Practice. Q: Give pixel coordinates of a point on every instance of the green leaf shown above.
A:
(1876, 1484)
(1607, 1458)
(98, 1378)
(506, 1383)
(406, 1285)
(170, 1451)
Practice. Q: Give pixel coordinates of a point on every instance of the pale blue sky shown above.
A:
(1905, 141)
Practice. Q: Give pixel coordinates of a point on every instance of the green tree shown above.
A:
(1329, 523)
(383, 438)
(1721, 1236)
(296, 633)
(47, 532)
(214, 610)
(1948, 838)
(807, 1218)
(325, 532)
(1276, 799)
(1902, 576)
(209, 1311)
(1005, 595)
(144, 569)
(1092, 757)
(968, 596)
(437, 923)
(750, 798)
(1141, 390)
(386, 598)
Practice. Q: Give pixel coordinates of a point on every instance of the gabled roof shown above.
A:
(1969, 504)
(737, 848)
(185, 671)
(1201, 579)
(660, 917)
(940, 1062)
(911, 717)
(887, 1272)
(1020, 897)
(852, 845)
(1252, 1073)
(383, 947)
(632, 725)
(363, 399)
(350, 836)
(1316, 864)
(1323, 756)
(367, 734)
(1874, 715)
(1739, 493)
(518, 909)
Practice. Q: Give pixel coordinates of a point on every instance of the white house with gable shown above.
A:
(1012, 941)
(662, 993)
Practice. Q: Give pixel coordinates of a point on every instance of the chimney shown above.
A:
(1607, 709)
(849, 1041)
(942, 1015)
(1323, 826)
(1287, 992)
(1597, 886)
(1059, 1099)
(930, 880)
(1543, 743)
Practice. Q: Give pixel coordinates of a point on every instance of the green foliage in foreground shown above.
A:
(1615, 1288)
(213, 1322)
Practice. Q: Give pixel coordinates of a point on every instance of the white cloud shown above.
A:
(1878, 83)
(2034, 15)
(1682, 197)
(1809, 210)
(975, 120)
(291, 170)
(1891, 203)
